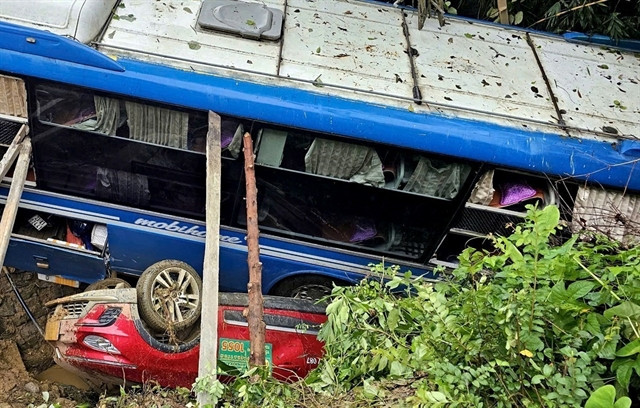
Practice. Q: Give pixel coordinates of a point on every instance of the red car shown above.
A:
(101, 335)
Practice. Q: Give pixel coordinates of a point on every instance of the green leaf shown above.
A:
(629, 349)
(397, 369)
(188, 10)
(623, 402)
(623, 374)
(194, 45)
(603, 397)
(579, 289)
(592, 325)
(392, 320)
(128, 17)
(537, 379)
(625, 309)
(436, 396)
(318, 82)
(518, 18)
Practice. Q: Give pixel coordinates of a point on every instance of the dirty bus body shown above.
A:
(353, 164)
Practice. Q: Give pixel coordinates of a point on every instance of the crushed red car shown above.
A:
(100, 335)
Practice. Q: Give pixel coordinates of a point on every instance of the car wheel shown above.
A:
(311, 288)
(169, 296)
(109, 283)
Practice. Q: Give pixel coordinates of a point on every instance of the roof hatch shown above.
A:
(251, 20)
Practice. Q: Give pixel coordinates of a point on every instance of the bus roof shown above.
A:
(79, 19)
(486, 92)
(359, 50)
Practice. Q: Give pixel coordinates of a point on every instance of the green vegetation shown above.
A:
(533, 324)
(617, 19)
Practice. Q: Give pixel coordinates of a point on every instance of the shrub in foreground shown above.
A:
(532, 325)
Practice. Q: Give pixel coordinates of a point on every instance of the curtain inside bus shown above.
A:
(13, 97)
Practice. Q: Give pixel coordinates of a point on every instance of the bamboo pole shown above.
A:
(13, 198)
(207, 364)
(503, 12)
(13, 151)
(255, 311)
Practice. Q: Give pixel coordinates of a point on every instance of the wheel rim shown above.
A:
(175, 295)
(311, 291)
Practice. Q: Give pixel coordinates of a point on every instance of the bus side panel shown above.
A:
(132, 250)
(52, 260)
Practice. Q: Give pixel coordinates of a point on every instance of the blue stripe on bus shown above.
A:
(596, 161)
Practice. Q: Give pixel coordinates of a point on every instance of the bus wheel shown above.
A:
(305, 287)
(169, 296)
(109, 283)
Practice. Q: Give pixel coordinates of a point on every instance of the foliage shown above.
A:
(531, 324)
(254, 388)
(616, 19)
(148, 395)
(605, 397)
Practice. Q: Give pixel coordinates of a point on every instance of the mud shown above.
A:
(15, 324)
(18, 389)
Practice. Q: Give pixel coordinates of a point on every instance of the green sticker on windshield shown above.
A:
(235, 353)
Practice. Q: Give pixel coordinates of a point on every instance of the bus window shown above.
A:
(354, 195)
(159, 125)
(149, 156)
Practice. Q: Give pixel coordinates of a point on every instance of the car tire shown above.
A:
(310, 287)
(109, 283)
(169, 296)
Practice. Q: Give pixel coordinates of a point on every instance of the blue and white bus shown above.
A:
(375, 140)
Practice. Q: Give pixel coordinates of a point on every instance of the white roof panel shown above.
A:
(596, 87)
(358, 50)
(80, 19)
(347, 45)
(480, 67)
(167, 30)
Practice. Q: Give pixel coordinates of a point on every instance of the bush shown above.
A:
(532, 324)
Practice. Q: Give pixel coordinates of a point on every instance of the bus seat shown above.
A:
(437, 179)
(393, 172)
(271, 147)
(121, 186)
(483, 190)
(156, 125)
(347, 161)
(232, 142)
(105, 118)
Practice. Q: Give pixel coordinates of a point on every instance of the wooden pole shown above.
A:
(13, 151)
(13, 198)
(503, 12)
(255, 311)
(210, 274)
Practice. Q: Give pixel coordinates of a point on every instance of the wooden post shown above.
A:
(13, 150)
(255, 311)
(207, 364)
(503, 12)
(13, 198)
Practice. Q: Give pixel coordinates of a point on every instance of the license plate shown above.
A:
(52, 330)
(235, 353)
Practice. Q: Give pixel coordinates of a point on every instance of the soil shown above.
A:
(18, 389)
(15, 324)
(28, 376)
